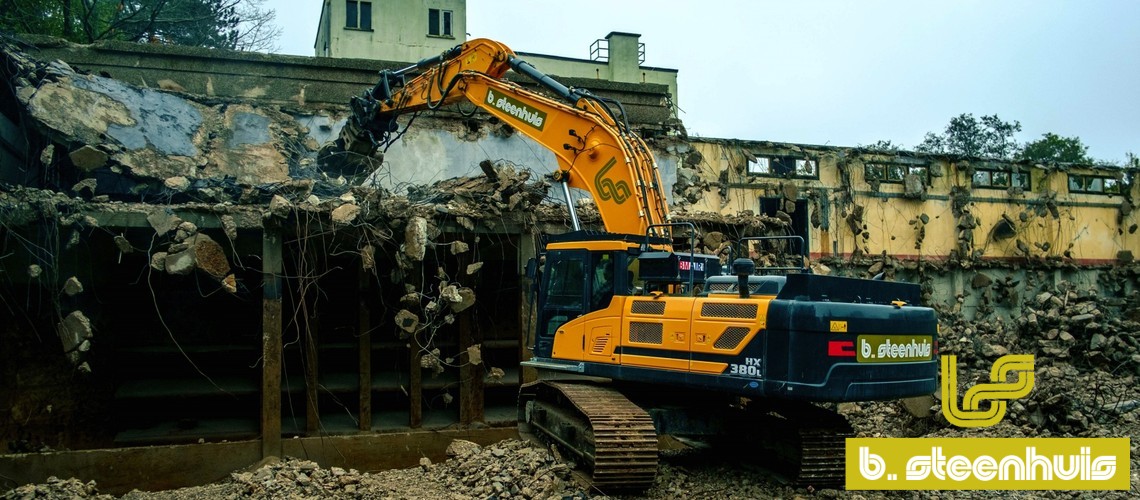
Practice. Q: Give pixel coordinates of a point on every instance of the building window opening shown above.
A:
(783, 166)
(358, 15)
(439, 22)
(1000, 179)
(894, 173)
(1094, 184)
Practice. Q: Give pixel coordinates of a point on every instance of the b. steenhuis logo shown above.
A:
(515, 108)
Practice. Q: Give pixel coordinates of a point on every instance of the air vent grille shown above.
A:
(729, 310)
(645, 333)
(731, 337)
(647, 307)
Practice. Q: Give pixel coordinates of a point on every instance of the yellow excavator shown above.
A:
(635, 340)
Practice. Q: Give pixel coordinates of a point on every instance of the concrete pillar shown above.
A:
(364, 335)
(624, 58)
(271, 343)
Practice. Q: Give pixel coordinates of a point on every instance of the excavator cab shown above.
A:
(575, 282)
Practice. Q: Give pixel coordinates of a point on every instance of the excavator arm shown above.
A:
(595, 148)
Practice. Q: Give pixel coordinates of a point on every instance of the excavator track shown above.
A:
(612, 436)
(807, 443)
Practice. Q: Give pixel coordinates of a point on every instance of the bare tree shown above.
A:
(257, 30)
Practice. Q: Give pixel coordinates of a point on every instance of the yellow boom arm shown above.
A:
(596, 151)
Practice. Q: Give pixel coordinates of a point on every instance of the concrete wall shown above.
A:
(297, 82)
(399, 30)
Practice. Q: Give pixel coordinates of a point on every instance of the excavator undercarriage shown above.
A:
(613, 431)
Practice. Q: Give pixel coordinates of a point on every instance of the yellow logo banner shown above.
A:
(988, 464)
(997, 392)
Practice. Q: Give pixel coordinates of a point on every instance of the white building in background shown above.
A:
(391, 30)
(410, 30)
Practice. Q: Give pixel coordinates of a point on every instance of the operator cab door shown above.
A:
(562, 297)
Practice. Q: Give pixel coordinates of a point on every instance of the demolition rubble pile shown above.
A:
(1086, 361)
(508, 469)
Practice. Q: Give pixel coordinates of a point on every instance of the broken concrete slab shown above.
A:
(88, 158)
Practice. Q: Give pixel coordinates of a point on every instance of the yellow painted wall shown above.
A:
(1085, 227)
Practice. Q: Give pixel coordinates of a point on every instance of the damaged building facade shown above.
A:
(179, 270)
(970, 222)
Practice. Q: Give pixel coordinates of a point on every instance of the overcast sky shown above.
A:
(847, 73)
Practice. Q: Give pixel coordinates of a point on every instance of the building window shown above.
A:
(358, 15)
(894, 172)
(1094, 184)
(783, 166)
(439, 22)
(1000, 179)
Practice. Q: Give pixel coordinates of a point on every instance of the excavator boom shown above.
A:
(595, 148)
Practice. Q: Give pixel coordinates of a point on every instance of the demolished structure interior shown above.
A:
(177, 270)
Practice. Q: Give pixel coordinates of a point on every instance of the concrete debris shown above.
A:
(415, 238)
(466, 300)
(345, 214)
(177, 183)
(123, 244)
(279, 206)
(163, 221)
(185, 230)
(74, 330)
(158, 261)
(458, 247)
(179, 263)
(229, 225)
(432, 360)
(461, 448)
(483, 198)
(90, 185)
(209, 256)
(407, 320)
(72, 287)
(475, 355)
(474, 268)
(88, 158)
(450, 293)
(47, 156)
(368, 258)
(57, 488)
(34, 271)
